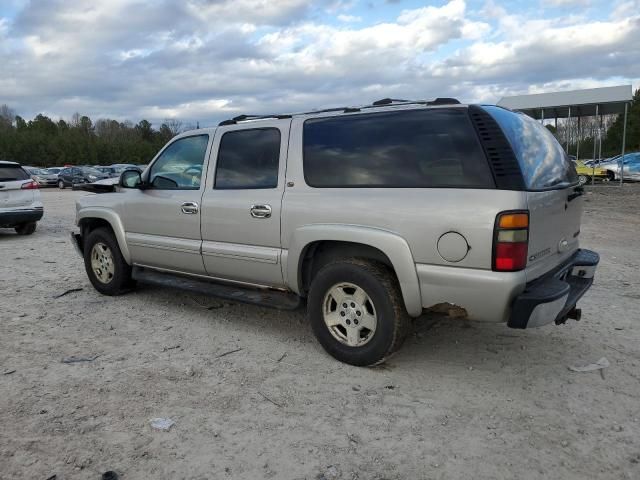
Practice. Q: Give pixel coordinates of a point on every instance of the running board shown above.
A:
(253, 295)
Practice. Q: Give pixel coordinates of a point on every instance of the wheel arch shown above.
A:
(90, 219)
(317, 244)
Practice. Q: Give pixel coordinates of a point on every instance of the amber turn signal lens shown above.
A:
(514, 220)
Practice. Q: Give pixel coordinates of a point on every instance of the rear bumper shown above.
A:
(551, 297)
(16, 217)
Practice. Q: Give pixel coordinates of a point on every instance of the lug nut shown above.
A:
(348, 322)
(344, 305)
(342, 314)
(355, 322)
(358, 313)
(353, 305)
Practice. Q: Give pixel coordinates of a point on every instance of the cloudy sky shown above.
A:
(205, 60)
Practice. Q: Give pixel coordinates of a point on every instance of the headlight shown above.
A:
(92, 177)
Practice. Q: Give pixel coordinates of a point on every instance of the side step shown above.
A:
(256, 296)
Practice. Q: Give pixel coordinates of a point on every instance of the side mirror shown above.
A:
(130, 179)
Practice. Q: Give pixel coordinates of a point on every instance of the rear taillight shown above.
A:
(511, 241)
(30, 185)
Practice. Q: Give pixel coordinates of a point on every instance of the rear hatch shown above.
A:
(12, 195)
(554, 199)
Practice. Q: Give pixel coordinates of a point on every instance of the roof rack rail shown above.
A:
(378, 103)
(242, 118)
(444, 101)
(388, 101)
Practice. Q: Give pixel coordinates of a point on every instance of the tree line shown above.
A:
(80, 141)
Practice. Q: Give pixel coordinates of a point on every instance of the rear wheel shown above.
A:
(582, 179)
(105, 266)
(26, 228)
(611, 176)
(356, 311)
(60, 184)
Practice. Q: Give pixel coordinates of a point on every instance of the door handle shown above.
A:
(260, 211)
(189, 208)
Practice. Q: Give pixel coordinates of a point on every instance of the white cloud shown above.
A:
(208, 59)
(349, 18)
(566, 3)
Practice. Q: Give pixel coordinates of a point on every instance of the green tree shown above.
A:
(612, 143)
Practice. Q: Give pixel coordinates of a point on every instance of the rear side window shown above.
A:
(248, 159)
(12, 173)
(406, 149)
(543, 161)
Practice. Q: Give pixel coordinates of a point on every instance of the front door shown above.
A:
(162, 221)
(241, 204)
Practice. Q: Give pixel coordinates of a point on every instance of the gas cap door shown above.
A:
(453, 247)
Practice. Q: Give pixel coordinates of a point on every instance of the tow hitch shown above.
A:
(574, 314)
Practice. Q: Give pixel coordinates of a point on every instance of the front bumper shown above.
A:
(16, 217)
(553, 296)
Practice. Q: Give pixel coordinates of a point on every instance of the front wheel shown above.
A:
(356, 311)
(60, 184)
(106, 268)
(582, 179)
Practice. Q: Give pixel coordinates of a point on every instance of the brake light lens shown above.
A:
(511, 241)
(31, 185)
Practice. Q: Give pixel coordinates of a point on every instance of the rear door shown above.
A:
(12, 195)
(242, 202)
(555, 203)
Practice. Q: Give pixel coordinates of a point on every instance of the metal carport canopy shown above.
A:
(573, 103)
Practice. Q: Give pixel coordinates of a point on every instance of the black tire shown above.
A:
(120, 280)
(25, 228)
(611, 176)
(382, 288)
(61, 184)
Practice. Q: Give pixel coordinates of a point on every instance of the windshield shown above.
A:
(543, 161)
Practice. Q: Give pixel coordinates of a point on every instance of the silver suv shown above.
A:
(371, 214)
(20, 202)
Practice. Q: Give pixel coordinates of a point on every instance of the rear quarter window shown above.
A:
(405, 149)
(543, 161)
(12, 173)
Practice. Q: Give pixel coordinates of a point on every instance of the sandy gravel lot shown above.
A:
(461, 400)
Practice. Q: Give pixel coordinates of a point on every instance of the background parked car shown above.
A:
(631, 167)
(55, 170)
(20, 203)
(43, 176)
(121, 167)
(73, 175)
(110, 171)
(585, 172)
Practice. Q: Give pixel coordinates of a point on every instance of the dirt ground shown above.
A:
(460, 400)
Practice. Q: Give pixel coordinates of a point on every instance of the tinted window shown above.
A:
(542, 159)
(248, 159)
(180, 164)
(11, 173)
(410, 148)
